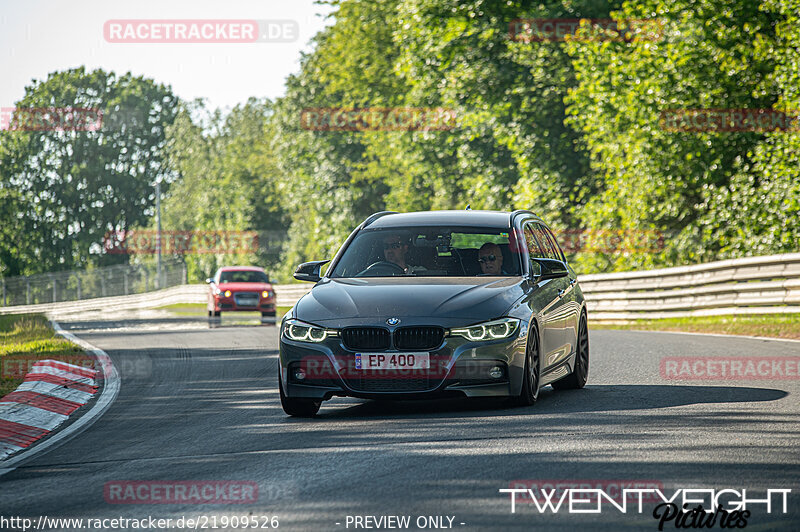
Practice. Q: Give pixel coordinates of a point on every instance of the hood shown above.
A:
(446, 301)
(244, 287)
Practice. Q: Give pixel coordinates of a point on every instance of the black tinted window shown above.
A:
(243, 277)
(552, 242)
(429, 251)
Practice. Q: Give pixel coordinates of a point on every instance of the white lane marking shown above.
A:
(31, 416)
(55, 390)
(104, 401)
(50, 370)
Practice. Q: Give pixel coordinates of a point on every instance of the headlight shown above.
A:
(490, 330)
(266, 293)
(305, 332)
(227, 293)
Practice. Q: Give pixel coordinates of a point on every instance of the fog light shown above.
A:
(496, 372)
(299, 374)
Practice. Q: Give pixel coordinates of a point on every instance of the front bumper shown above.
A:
(458, 368)
(230, 304)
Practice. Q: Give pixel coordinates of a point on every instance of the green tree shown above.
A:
(67, 189)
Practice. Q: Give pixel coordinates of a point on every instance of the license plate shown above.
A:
(368, 361)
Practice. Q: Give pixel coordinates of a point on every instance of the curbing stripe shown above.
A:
(18, 434)
(55, 390)
(45, 402)
(61, 381)
(69, 368)
(49, 370)
(30, 415)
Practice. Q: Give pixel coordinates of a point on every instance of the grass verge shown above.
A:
(769, 325)
(26, 338)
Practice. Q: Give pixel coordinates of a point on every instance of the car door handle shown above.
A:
(572, 282)
(561, 293)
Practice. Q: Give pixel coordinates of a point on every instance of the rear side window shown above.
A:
(535, 250)
(544, 248)
(553, 243)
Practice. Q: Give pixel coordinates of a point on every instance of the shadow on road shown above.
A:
(596, 398)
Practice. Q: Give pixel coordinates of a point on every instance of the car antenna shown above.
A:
(468, 208)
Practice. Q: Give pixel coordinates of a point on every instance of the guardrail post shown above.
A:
(4, 292)
(79, 286)
(146, 280)
(27, 291)
(184, 274)
(125, 282)
(102, 285)
(55, 293)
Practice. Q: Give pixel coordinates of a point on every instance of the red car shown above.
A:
(243, 288)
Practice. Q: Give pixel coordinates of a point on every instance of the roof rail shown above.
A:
(375, 216)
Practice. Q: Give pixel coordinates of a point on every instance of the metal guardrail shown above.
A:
(755, 285)
(119, 280)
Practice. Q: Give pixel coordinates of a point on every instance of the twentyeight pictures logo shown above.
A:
(193, 31)
(594, 500)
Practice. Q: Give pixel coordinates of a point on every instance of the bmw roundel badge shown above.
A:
(392, 321)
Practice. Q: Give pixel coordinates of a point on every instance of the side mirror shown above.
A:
(209, 280)
(549, 269)
(309, 271)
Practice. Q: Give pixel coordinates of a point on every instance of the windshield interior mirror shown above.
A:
(309, 271)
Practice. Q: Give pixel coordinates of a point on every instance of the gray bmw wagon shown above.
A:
(436, 304)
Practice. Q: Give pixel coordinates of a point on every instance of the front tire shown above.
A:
(577, 379)
(298, 407)
(530, 375)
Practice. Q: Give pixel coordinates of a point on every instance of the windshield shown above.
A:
(430, 252)
(243, 276)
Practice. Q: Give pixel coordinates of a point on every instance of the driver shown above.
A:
(491, 259)
(395, 249)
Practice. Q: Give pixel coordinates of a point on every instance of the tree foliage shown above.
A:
(62, 191)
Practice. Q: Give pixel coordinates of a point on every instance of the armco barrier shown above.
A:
(188, 293)
(754, 285)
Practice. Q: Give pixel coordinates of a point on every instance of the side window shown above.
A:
(535, 250)
(548, 252)
(553, 243)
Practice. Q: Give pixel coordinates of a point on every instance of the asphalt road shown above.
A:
(201, 404)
